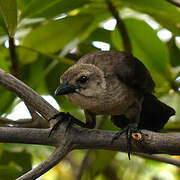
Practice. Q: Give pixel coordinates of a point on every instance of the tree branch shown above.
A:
(82, 138)
(86, 156)
(174, 2)
(15, 69)
(160, 158)
(35, 122)
(76, 138)
(27, 94)
(121, 27)
(83, 165)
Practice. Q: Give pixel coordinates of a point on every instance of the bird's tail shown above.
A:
(154, 114)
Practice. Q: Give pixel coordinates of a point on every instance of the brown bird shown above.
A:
(117, 84)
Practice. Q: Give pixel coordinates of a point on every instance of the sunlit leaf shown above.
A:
(174, 53)
(162, 11)
(147, 47)
(14, 164)
(9, 12)
(49, 9)
(6, 100)
(54, 35)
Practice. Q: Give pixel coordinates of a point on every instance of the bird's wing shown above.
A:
(133, 73)
(127, 68)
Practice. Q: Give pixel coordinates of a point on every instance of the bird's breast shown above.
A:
(114, 100)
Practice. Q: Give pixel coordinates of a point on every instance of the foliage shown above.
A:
(51, 35)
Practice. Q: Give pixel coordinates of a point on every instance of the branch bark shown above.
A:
(27, 94)
(82, 138)
(35, 122)
(76, 138)
(13, 57)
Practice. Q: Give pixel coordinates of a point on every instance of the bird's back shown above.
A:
(124, 66)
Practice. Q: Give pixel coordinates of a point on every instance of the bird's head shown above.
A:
(81, 82)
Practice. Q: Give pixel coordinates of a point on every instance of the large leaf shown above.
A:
(163, 12)
(49, 9)
(9, 12)
(174, 53)
(147, 47)
(6, 100)
(98, 161)
(54, 35)
(21, 4)
(14, 164)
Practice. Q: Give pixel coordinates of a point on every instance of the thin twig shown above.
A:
(36, 122)
(83, 165)
(174, 2)
(121, 27)
(160, 158)
(13, 57)
(86, 156)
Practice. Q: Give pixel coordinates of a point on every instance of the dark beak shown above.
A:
(66, 88)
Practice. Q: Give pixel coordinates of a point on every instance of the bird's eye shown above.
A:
(83, 79)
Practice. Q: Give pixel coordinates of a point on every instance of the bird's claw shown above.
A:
(128, 130)
(61, 117)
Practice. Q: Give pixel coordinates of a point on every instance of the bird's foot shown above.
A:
(129, 129)
(62, 117)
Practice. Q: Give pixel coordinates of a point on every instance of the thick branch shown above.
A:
(151, 142)
(82, 138)
(27, 94)
(121, 27)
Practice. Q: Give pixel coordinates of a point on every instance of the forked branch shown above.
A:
(75, 137)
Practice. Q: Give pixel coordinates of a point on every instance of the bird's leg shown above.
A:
(61, 117)
(129, 129)
(132, 126)
(90, 119)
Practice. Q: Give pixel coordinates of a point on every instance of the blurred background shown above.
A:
(40, 39)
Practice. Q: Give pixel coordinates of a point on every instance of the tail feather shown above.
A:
(154, 114)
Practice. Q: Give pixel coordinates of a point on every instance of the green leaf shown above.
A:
(100, 34)
(55, 35)
(26, 56)
(98, 161)
(147, 47)
(14, 164)
(174, 53)
(6, 100)
(162, 11)
(22, 4)
(49, 9)
(9, 12)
